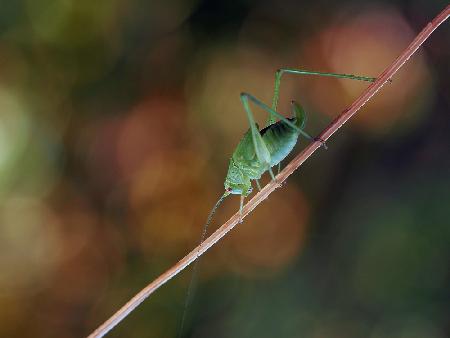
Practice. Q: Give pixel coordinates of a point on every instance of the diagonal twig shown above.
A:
(370, 91)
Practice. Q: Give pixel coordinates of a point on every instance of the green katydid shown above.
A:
(260, 150)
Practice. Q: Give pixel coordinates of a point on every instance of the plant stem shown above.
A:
(370, 91)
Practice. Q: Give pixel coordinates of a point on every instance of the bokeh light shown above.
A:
(14, 131)
(117, 122)
(263, 247)
(362, 42)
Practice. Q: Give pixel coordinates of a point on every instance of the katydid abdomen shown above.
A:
(280, 139)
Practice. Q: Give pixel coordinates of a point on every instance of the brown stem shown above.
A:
(387, 74)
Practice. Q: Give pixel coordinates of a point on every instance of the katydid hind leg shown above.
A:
(281, 71)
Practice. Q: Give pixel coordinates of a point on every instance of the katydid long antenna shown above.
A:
(195, 267)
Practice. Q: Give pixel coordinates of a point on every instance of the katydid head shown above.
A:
(237, 182)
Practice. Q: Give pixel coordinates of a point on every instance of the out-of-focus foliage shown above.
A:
(117, 120)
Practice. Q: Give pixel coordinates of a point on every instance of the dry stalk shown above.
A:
(385, 76)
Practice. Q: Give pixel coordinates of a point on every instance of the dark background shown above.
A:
(117, 121)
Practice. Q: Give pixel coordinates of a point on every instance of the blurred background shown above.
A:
(117, 122)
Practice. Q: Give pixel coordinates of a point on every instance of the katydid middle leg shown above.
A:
(261, 150)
